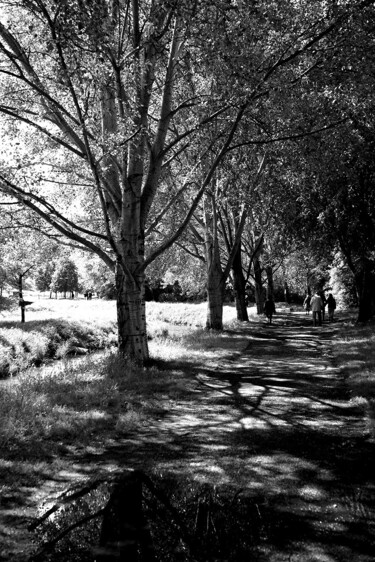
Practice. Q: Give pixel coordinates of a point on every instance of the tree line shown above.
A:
(234, 131)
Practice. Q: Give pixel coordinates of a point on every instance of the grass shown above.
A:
(40, 410)
(73, 399)
(354, 350)
(55, 328)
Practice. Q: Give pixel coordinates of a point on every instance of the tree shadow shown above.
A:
(273, 427)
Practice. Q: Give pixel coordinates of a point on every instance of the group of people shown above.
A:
(317, 305)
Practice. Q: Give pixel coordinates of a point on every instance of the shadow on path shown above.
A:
(274, 424)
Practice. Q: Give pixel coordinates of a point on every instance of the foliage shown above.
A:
(93, 272)
(134, 106)
(65, 277)
(43, 277)
(342, 284)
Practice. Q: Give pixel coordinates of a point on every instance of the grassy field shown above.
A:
(57, 328)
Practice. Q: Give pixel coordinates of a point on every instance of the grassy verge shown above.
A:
(55, 329)
(41, 412)
(75, 400)
(354, 349)
(31, 344)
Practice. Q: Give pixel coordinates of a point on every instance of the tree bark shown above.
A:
(270, 287)
(131, 316)
(215, 278)
(259, 293)
(215, 297)
(365, 285)
(239, 287)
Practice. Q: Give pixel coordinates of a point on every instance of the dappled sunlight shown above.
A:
(258, 410)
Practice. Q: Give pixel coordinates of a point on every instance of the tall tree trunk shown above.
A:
(239, 287)
(215, 296)
(131, 316)
(215, 278)
(270, 288)
(365, 285)
(259, 293)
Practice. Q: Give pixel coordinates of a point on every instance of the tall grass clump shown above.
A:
(79, 401)
(354, 349)
(32, 343)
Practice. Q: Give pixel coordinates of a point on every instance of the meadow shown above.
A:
(58, 328)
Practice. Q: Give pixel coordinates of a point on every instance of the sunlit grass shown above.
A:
(55, 328)
(75, 400)
(42, 409)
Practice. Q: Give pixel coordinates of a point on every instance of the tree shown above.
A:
(43, 278)
(114, 92)
(98, 84)
(65, 277)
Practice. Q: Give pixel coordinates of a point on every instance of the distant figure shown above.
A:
(89, 296)
(317, 307)
(331, 303)
(269, 309)
(86, 294)
(307, 303)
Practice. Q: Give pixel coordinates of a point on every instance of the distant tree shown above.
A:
(65, 277)
(43, 278)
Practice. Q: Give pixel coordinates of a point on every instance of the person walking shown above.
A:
(331, 303)
(269, 309)
(317, 307)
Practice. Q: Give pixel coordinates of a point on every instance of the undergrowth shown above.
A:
(32, 343)
(78, 401)
(354, 350)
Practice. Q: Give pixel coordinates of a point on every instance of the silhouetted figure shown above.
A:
(269, 309)
(331, 303)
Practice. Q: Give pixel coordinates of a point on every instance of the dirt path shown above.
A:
(274, 423)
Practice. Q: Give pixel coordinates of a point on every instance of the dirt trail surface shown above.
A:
(271, 420)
